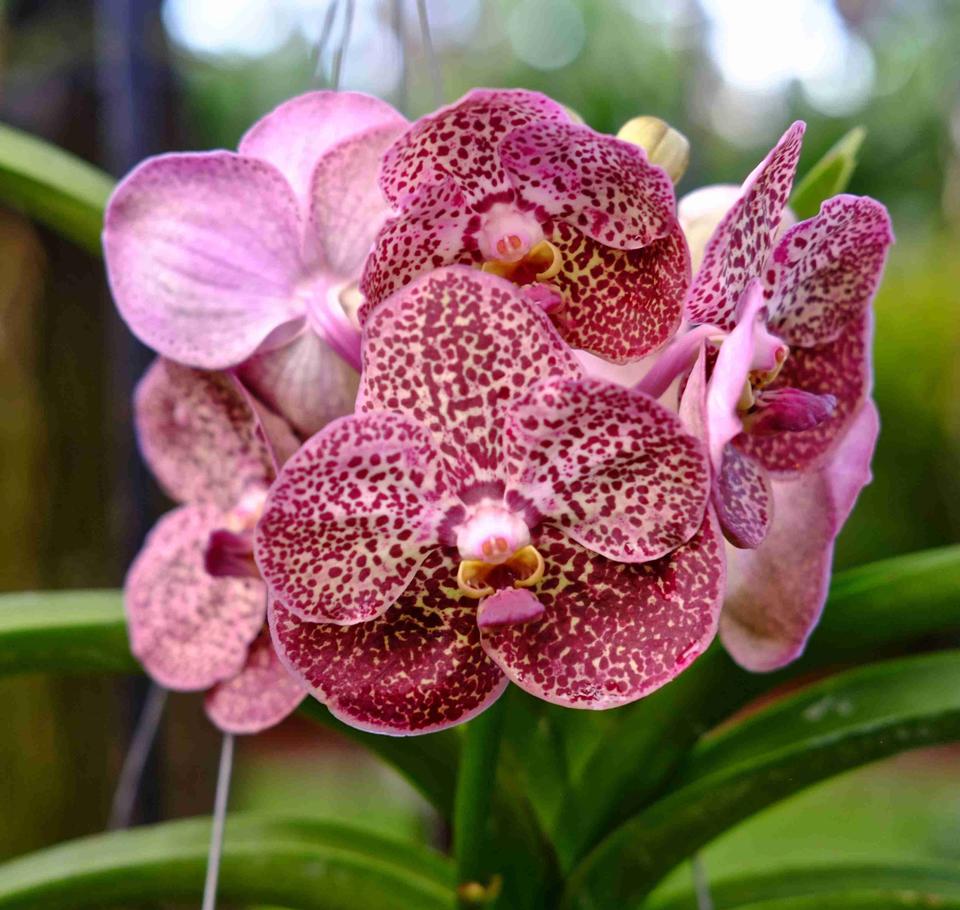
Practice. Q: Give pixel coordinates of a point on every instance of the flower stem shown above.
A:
(471, 808)
(219, 819)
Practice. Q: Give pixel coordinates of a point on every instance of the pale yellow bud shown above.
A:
(664, 145)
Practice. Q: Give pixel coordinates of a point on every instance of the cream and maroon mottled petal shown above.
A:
(296, 135)
(418, 668)
(350, 518)
(461, 141)
(261, 695)
(738, 249)
(618, 304)
(603, 186)
(826, 270)
(840, 368)
(451, 350)
(304, 381)
(613, 632)
(188, 629)
(743, 498)
(613, 467)
(203, 255)
(776, 592)
(430, 232)
(199, 435)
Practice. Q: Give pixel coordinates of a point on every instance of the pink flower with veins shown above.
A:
(504, 180)
(196, 607)
(487, 514)
(251, 259)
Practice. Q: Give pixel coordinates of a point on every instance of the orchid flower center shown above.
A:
(246, 513)
(769, 356)
(513, 247)
(229, 551)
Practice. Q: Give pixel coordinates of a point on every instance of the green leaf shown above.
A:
(53, 186)
(840, 723)
(829, 176)
(917, 883)
(309, 865)
(881, 608)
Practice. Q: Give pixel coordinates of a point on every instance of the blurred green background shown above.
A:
(116, 80)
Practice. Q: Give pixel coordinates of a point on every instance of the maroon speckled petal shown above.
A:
(840, 368)
(461, 141)
(418, 668)
(603, 186)
(613, 632)
(429, 233)
(198, 435)
(743, 499)
(619, 304)
(350, 518)
(188, 629)
(450, 351)
(261, 695)
(612, 466)
(827, 269)
(738, 248)
(776, 593)
(305, 381)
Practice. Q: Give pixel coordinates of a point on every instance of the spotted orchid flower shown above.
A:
(196, 606)
(505, 181)
(487, 514)
(250, 259)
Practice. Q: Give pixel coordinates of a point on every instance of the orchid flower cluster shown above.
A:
(446, 408)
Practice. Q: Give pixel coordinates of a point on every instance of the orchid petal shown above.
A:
(615, 469)
(350, 518)
(612, 632)
(418, 668)
(602, 186)
(776, 592)
(743, 498)
(296, 135)
(461, 142)
(198, 435)
(738, 248)
(827, 269)
(189, 629)
(203, 255)
(476, 344)
(261, 695)
(619, 304)
(509, 606)
(839, 368)
(304, 381)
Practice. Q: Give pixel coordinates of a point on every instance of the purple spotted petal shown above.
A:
(603, 186)
(743, 499)
(612, 632)
(294, 136)
(188, 629)
(198, 435)
(776, 593)
(305, 381)
(827, 269)
(261, 695)
(619, 304)
(738, 248)
(840, 368)
(613, 467)
(418, 668)
(350, 518)
(203, 255)
(450, 351)
(461, 142)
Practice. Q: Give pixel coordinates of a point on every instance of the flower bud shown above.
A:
(664, 145)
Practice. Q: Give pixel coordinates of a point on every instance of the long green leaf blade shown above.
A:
(840, 723)
(829, 176)
(53, 186)
(304, 864)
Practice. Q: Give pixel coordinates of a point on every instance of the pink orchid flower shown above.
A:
(196, 606)
(250, 259)
(487, 514)
(506, 181)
